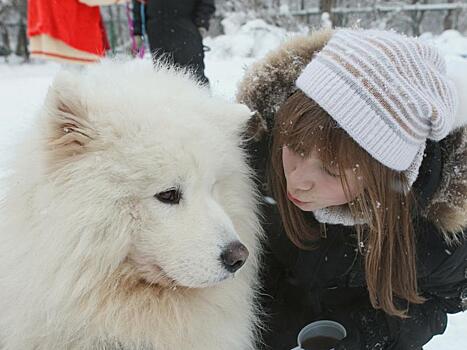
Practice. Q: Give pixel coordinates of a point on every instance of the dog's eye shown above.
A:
(171, 196)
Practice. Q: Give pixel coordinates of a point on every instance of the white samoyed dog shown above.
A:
(130, 221)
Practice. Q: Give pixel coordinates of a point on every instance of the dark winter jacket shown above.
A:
(329, 282)
(172, 29)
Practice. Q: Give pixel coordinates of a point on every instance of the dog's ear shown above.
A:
(69, 130)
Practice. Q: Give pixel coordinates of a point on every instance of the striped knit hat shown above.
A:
(387, 91)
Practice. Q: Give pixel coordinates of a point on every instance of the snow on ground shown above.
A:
(23, 88)
(253, 39)
(450, 42)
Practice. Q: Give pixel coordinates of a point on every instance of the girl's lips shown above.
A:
(293, 199)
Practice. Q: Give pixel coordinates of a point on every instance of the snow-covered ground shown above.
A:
(23, 88)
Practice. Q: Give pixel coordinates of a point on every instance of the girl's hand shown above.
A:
(366, 329)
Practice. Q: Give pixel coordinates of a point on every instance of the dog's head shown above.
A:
(150, 167)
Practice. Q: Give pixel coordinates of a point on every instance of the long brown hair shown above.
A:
(384, 201)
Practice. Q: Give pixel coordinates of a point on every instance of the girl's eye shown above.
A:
(171, 196)
(327, 171)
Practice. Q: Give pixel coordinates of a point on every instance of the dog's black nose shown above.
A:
(234, 256)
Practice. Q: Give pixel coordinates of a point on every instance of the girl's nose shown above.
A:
(298, 177)
(298, 181)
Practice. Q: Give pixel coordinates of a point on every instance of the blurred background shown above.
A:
(413, 17)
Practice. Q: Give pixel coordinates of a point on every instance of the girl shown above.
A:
(364, 170)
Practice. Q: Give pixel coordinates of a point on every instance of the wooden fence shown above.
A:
(451, 13)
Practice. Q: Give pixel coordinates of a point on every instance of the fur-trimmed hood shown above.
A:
(269, 82)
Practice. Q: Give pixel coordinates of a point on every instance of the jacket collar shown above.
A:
(429, 175)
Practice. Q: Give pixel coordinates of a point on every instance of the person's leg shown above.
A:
(177, 43)
(198, 69)
(157, 39)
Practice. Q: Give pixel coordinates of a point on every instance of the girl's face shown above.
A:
(310, 185)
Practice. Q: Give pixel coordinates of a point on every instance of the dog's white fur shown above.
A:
(89, 258)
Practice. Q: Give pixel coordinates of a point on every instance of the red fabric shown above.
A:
(76, 24)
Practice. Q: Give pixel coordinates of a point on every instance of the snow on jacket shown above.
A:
(301, 286)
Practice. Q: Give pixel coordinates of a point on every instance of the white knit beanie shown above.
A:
(387, 91)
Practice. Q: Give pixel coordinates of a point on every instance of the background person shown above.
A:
(175, 30)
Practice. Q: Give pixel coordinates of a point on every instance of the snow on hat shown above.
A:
(387, 91)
